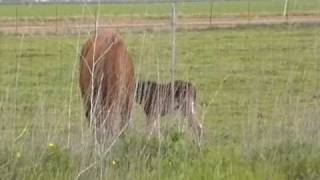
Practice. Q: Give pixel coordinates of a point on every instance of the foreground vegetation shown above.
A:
(160, 10)
(258, 96)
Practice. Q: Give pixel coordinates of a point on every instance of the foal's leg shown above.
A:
(157, 127)
(153, 125)
(153, 111)
(189, 111)
(126, 113)
(196, 127)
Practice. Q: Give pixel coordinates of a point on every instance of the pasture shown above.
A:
(258, 95)
(159, 10)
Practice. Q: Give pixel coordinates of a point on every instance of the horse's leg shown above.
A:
(88, 111)
(125, 119)
(189, 112)
(196, 128)
(157, 126)
(150, 125)
(153, 112)
(153, 126)
(126, 115)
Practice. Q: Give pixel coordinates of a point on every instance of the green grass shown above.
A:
(161, 10)
(258, 91)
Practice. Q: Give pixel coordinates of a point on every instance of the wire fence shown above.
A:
(257, 87)
(68, 18)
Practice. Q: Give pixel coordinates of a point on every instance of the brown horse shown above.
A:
(155, 99)
(107, 83)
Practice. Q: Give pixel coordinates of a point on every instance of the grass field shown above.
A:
(161, 10)
(259, 90)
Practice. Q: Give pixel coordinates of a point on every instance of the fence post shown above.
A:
(173, 60)
(16, 20)
(285, 10)
(56, 18)
(248, 13)
(211, 12)
(96, 19)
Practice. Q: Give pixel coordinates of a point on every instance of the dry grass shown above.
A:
(258, 91)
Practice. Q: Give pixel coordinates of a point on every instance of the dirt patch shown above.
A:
(87, 25)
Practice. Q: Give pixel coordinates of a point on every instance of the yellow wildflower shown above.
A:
(18, 155)
(114, 162)
(51, 145)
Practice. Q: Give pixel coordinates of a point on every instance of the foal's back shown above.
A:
(156, 97)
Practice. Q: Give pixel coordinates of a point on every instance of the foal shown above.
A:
(155, 99)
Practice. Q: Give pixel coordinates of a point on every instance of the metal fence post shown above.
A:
(16, 19)
(56, 18)
(211, 12)
(96, 19)
(285, 10)
(173, 60)
(248, 13)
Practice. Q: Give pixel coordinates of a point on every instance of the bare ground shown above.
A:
(86, 25)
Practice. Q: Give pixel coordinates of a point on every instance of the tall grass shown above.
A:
(258, 94)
